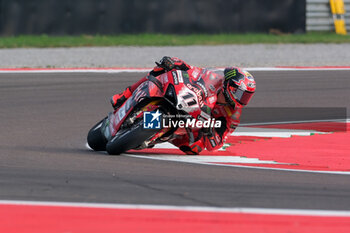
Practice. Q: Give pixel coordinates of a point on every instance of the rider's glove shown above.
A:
(166, 63)
(169, 63)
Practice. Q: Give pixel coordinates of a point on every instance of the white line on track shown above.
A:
(229, 165)
(295, 68)
(206, 159)
(265, 211)
(74, 70)
(240, 166)
(271, 132)
(142, 70)
(297, 122)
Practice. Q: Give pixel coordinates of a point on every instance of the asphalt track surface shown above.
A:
(44, 119)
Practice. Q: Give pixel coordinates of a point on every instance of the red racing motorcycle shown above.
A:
(173, 99)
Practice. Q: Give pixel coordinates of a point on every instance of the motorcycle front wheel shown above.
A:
(129, 138)
(95, 138)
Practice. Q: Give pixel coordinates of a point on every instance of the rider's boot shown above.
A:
(118, 99)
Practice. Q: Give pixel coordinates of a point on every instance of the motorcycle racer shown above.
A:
(225, 94)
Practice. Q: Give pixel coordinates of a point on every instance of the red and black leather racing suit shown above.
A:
(227, 114)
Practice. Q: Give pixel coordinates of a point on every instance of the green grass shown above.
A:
(44, 41)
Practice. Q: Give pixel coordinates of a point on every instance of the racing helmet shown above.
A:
(239, 86)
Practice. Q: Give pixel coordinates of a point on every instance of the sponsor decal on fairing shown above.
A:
(176, 81)
(179, 75)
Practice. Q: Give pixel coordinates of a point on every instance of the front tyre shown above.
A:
(95, 138)
(130, 138)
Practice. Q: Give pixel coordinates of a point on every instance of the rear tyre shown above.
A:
(127, 139)
(95, 138)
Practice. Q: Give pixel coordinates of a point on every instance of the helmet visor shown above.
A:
(243, 97)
